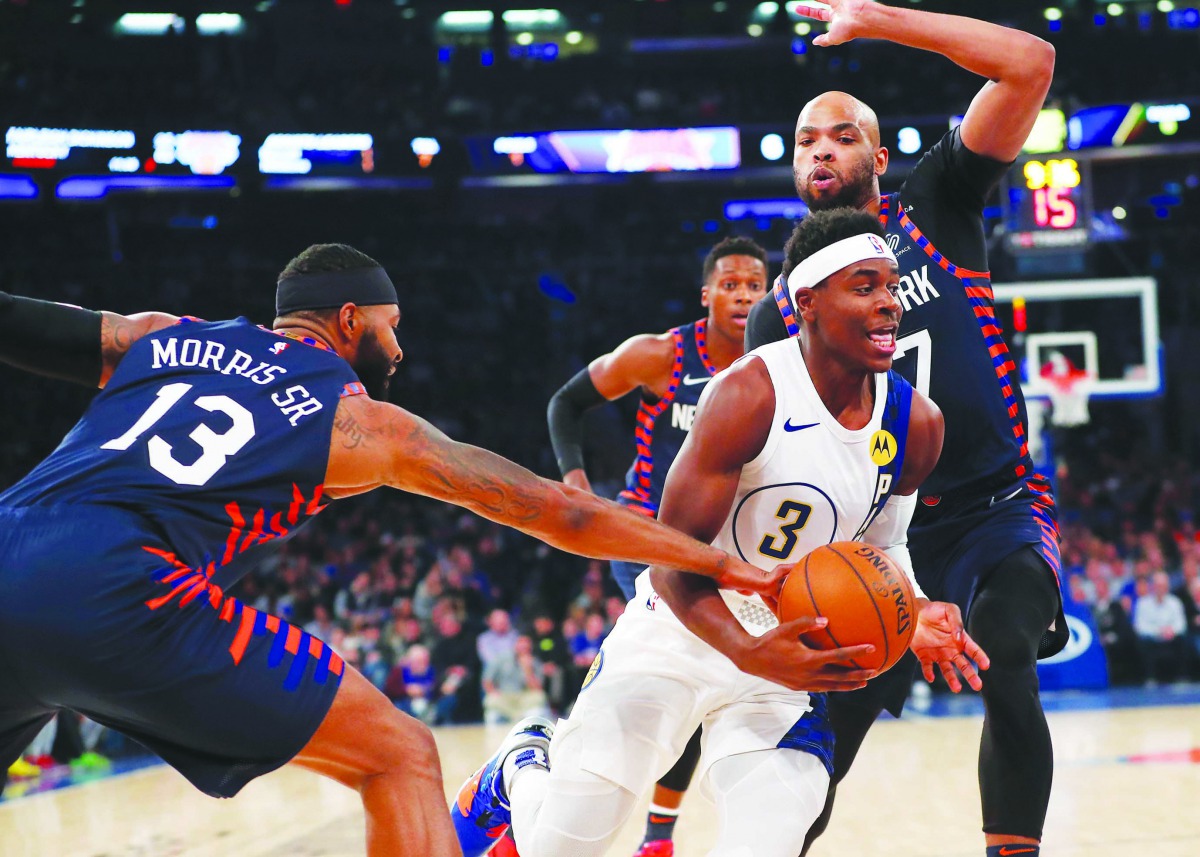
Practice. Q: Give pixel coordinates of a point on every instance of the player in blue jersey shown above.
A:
(984, 535)
(209, 439)
(670, 370)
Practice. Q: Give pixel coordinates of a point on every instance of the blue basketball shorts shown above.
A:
(98, 616)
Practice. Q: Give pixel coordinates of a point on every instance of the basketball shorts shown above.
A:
(955, 546)
(98, 616)
(654, 682)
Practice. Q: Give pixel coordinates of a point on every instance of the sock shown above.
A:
(660, 823)
(1013, 849)
(526, 757)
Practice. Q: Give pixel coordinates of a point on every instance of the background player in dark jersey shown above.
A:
(671, 370)
(207, 440)
(984, 535)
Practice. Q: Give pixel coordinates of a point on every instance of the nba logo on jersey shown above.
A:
(279, 347)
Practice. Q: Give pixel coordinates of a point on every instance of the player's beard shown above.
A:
(374, 367)
(855, 190)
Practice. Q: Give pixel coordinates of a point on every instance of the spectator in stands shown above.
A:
(411, 685)
(552, 652)
(1158, 618)
(321, 626)
(585, 645)
(512, 684)
(1117, 636)
(498, 641)
(457, 666)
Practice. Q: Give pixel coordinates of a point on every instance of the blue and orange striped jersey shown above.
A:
(216, 433)
(951, 348)
(663, 424)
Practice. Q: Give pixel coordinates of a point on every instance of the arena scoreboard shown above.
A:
(1049, 205)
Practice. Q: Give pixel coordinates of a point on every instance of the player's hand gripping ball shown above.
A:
(865, 596)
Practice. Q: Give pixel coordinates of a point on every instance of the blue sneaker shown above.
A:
(481, 813)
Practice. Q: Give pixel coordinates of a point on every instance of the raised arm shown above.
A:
(375, 443)
(1019, 66)
(731, 428)
(68, 342)
(642, 361)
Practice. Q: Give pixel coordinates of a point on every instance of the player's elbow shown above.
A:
(1037, 62)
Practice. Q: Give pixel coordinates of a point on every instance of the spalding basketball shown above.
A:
(865, 596)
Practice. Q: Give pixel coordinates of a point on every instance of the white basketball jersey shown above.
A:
(815, 481)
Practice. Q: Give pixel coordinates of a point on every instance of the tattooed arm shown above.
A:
(119, 332)
(375, 443)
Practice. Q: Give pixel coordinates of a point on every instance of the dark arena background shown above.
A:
(541, 184)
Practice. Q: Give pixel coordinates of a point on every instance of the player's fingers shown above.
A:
(845, 656)
(975, 652)
(821, 13)
(795, 627)
(972, 677)
(822, 41)
(927, 671)
(950, 676)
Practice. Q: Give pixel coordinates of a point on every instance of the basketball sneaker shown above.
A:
(482, 813)
(656, 848)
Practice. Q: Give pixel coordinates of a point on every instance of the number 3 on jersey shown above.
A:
(780, 546)
(217, 448)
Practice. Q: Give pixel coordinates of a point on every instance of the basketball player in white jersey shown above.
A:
(798, 444)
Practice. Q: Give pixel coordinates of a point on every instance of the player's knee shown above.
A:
(993, 626)
(404, 745)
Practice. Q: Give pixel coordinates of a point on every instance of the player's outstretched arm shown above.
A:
(376, 443)
(68, 342)
(1019, 66)
(119, 332)
(639, 361)
(731, 428)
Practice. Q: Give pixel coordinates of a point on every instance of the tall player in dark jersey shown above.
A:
(984, 535)
(671, 370)
(209, 439)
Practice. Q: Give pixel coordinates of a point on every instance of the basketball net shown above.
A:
(1068, 389)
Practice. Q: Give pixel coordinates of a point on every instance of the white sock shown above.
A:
(526, 758)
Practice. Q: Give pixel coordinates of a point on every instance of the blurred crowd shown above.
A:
(1131, 552)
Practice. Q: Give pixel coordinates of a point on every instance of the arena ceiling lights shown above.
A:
(161, 23)
(470, 21)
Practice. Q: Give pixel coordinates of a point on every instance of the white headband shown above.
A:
(831, 259)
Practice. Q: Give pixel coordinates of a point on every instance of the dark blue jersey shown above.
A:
(950, 343)
(663, 424)
(215, 434)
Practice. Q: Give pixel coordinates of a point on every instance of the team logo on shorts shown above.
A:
(883, 447)
(593, 670)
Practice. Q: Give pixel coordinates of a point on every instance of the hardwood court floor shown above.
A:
(1127, 782)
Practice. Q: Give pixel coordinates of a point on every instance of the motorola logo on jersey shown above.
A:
(883, 447)
(916, 288)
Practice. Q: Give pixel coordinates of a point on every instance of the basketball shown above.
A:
(865, 596)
